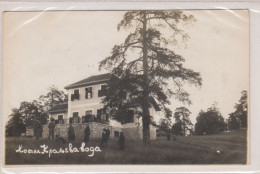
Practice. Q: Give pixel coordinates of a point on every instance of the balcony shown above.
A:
(83, 119)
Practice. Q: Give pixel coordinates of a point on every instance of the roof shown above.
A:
(92, 80)
(102, 78)
(61, 108)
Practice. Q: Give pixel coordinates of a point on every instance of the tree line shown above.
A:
(207, 122)
(146, 66)
(33, 114)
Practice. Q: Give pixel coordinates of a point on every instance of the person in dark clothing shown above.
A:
(121, 141)
(107, 136)
(104, 138)
(174, 137)
(168, 136)
(51, 128)
(71, 133)
(38, 129)
(86, 134)
(107, 133)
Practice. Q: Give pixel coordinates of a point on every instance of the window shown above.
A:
(75, 96)
(75, 114)
(102, 92)
(88, 93)
(89, 112)
(98, 115)
(88, 117)
(75, 118)
(60, 119)
(102, 116)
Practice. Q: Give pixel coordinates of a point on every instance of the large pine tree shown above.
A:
(144, 67)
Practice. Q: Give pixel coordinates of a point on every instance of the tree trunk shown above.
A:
(25, 123)
(51, 99)
(145, 103)
(184, 130)
(184, 125)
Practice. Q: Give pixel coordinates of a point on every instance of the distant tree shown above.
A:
(201, 123)
(165, 125)
(233, 122)
(210, 122)
(27, 115)
(53, 97)
(238, 118)
(241, 110)
(29, 111)
(15, 126)
(177, 129)
(181, 116)
(191, 131)
(34, 114)
(144, 67)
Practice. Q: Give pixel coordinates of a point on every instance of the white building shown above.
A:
(85, 107)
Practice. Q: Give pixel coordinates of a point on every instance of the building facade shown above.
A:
(85, 107)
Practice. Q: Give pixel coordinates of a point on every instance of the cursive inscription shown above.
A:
(44, 149)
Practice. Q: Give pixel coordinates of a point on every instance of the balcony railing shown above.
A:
(74, 97)
(83, 119)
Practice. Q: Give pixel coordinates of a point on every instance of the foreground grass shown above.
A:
(230, 148)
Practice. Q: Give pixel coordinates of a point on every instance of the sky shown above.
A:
(41, 49)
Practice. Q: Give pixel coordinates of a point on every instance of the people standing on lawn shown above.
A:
(121, 141)
(51, 127)
(71, 133)
(104, 138)
(86, 134)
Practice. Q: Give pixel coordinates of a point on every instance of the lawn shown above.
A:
(229, 148)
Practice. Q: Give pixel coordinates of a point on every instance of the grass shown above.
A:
(229, 148)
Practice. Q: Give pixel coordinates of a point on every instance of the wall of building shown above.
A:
(152, 133)
(131, 130)
(96, 131)
(82, 105)
(132, 133)
(29, 132)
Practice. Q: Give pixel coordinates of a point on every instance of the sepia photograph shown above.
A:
(156, 87)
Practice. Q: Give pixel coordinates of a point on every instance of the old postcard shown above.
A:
(126, 87)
